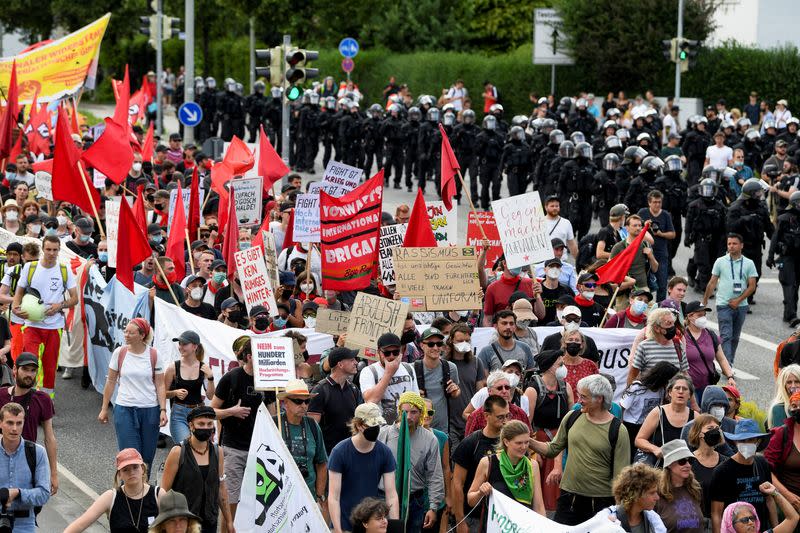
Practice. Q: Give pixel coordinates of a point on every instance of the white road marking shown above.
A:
(772, 347)
(86, 489)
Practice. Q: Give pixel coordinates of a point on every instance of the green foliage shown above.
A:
(498, 27)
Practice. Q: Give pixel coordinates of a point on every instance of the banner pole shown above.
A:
(189, 247)
(166, 281)
(278, 411)
(91, 200)
(610, 303)
(465, 190)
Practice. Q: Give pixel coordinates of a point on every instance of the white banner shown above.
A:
(274, 497)
(254, 277)
(506, 515)
(112, 229)
(444, 223)
(523, 229)
(247, 199)
(44, 185)
(65, 255)
(391, 237)
(273, 362)
(339, 179)
(306, 218)
(187, 198)
(98, 179)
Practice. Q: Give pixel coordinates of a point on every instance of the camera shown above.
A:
(6, 516)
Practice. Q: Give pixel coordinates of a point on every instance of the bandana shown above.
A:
(411, 398)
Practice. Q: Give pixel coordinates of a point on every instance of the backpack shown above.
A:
(419, 370)
(123, 351)
(13, 273)
(409, 369)
(32, 269)
(538, 384)
(613, 434)
(586, 251)
(30, 457)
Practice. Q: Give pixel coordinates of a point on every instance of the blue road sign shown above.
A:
(190, 114)
(348, 47)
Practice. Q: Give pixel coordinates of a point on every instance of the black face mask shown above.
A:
(203, 434)
(408, 337)
(262, 323)
(371, 433)
(669, 333)
(712, 437)
(573, 348)
(235, 316)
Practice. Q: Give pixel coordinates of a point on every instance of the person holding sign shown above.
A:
(499, 292)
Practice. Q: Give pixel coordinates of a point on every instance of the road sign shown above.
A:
(348, 47)
(549, 47)
(190, 114)
(348, 64)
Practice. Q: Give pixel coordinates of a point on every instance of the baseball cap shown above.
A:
(204, 411)
(192, 278)
(26, 358)
(153, 228)
(287, 278)
(187, 337)
(523, 309)
(370, 414)
(258, 310)
(557, 243)
(781, 142)
(128, 456)
(198, 243)
(227, 303)
(553, 261)
(432, 332)
(340, 353)
(618, 210)
(588, 276)
(217, 263)
(642, 292)
(388, 339)
(571, 310)
(510, 362)
(695, 306)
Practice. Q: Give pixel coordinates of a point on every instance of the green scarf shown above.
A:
(519, 478)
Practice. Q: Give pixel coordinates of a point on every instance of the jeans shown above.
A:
(662, 274)
(137, 427)
(416, 511)
(178, 425)
(730, 327)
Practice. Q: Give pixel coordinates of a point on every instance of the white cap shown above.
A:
(571, 310)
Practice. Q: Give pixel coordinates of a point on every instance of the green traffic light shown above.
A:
(293, 93)
(683, 55)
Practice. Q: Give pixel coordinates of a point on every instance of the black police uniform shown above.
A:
(786, 245)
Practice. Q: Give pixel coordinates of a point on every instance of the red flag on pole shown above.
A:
(111, 153)
(68, 183)
(419, 232)
(123, 95)
(74, 119)
(147, 146)
(138, 209)
(9, 120)
(194, 205)
(238, 160)
(617, 268)
(176, 237)
(270, 165)
(449, 168)
(134, 246)
(230, 241)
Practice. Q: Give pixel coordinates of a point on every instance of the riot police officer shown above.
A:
(465, 146)
(490, 151)
(392, 136)
(214, 96)
(325, 125)
(694, 147)
(350, 135)
(516, 161)
(604, 188)
(566, 151)
(430, 149)
(232, 111)
(575, 189)
(308, 131)
(411, 140)
(256, 107)
(631, 159)
(785, 244)
(751, 144)
(582, 120)
(274, 116)
(705, 230)
(373, 139)
(502, 126)
(675, 192)
(641, 185)
(206, 102)
(541, 172)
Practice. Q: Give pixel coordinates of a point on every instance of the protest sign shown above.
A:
(187, 197)
(99, 179)
(339, 179)
(306, 218)
(112, 230)
(65, 255)
(247, 199)
(273, 362)
(271, 257)
(256, 285)
(350, 227)
(444, 223)
(331, 322)
(44, 185)
(523, 229)
(474, 236)
(437, 279)
(371, 317)
(391, 237)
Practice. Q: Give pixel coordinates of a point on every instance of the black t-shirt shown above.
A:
(550, 298)
(203, 310)
(591, 314)
(469, 453)
(234, 386)
(87, 251)
(610, 236)
(336, 406)
(734, 482)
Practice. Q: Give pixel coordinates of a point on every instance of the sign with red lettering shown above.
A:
(523, 229)
(349, 232)
(475, 238)
(444, 223)
(273, 362)
(254, 277)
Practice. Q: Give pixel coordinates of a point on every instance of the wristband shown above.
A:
(164, 409)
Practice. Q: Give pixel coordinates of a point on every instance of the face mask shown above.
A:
(307, 287)
(669, 333)
(196, 293)
(156, 239)
(701, 322)
(523, 323)
(796, 415)
(84, 238)
(371, 433)
(738, 163)
(571, 326)
(573, 348)
(103, 257)
(12, 215)
(513, 380)
(712, 437)
(589, 295)
(717, 412)
(50, 231)
(235, 316)
(244, 245)
(279, 322)
(219, 277)
(311, 321)
(553, 273)
(747, 449)
(203, 434)
(463, 347)
(62, 220)
(36, 228)
(137, 167)
(561, 372)
(515, 271)
(408, 337)
(638, 307)
(261, 323)
(559, 314)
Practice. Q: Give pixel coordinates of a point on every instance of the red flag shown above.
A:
(288, 237)
(16, 149)
(69, 183)
(176, 236)
(258, 238)
(38, 130)
(138, 209)
(230, 241)
(238, 160)
(147, 146)
(449, 168)
(111, 153)
(270, 165)
(134, 246)
(9, 120)
(419, 232)
(43, 166)
(617, 268)
(123, 95)
(74, 119)
(194, 205)
(137, 106)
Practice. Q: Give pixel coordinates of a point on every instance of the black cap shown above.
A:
(557, 243)
(153, 229)
(387, 219)
(204, 411)
(340, 353)
(565, 299)
(50, 222)
(228, 303)
(587, 276)
(693, 307)
(642, 292)
(14, 247)
(258, 310)
(32, 219)
(188, 337)
(175, 137)
(192, 278)
(217, 263)
(546, 359)
(198, 243)
(26, 358)
(553, 261)
(388, 339)
(551, 198)
(313, 306)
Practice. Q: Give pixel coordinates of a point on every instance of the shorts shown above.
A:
(235, 461)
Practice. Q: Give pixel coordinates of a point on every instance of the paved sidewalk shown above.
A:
(72, 499)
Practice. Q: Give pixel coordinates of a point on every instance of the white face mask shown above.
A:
(571, 326)
(589, 295)
(463, 347)
(561, 372)
(463, 314)
(513, 380)
(62, 220)
(553, 273)
(310, 321)
(36, 228)
(717, 412)
(747, 449)
(137, 167)
(307, 287)
(196, 293)
(12, 215)
(701, 322)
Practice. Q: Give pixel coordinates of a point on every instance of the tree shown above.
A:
(502, 26)
(617, 43)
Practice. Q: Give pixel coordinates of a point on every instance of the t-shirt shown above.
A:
(670, 126)
(469, 373)
(136, 387)
(360, 472)
(306, 446)
(734, 482)
(403, 380)
(7, 281)
(638, 401)
(550, 299)
(493, 356)
(683, 513)
(469, 453)
(499, 291)
(733, 277)
(650, 352)
(457, 96)
(560, 228)
(436, 394)
(335, 405)
(719, 157)
(610, 236)
(234, 386)
(50, 284)
(698, 369)
(38, 408)
(639, 265)
(664, 221)
(203, 310)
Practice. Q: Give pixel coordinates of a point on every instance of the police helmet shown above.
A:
(793, 120)
(769, 123)
(259, 86)
(673, 163)
(612, 142)
(610, 124)
(651, 113)
(542, 101)
(468, 116)
(314, 97)
(496, 109)
(449, 118)
(708, 188)
(581, 103)
(727, 123)
(536, 124)
(644, 136)
(771, 169)
(433, 114)
(448, 107)
(557, 137)
(584, 150)
(710, 172)
(567, 150)
(353, 105)
(794, 200)
(743, 122)
(752, 135)
(549, 125)
(610, 161)
(211, 83)
(651, 163)
(577, 137)
(375, 110)
(752, 189)
(238, 88)
(517, 133)
(728, 174)
(275, 92)
(519, 120)
(631, 153)
(490, 122)
(394, 108)
(624, 134)
(613, 113)
(414, 113)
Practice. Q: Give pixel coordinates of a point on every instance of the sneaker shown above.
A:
(68, 373)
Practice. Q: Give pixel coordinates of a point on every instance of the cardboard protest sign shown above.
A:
(271, 257)
(306, 218)
(438, 279)
(247, 199)
(523, 229)
(331, 322)
(474, 236)
(112, 230)
(444, 223)
(44, 185)
(256, 285)
(273, 362)
(391, 237)
(371, 317)
(187, 196)
(339, 179)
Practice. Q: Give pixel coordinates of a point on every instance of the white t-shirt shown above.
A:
(719, 157)
(562, 228)
(454, 92)
(50, 284)
(7, 282)
(670, 126)
(136, 387)
(479, 398)
(401, 382)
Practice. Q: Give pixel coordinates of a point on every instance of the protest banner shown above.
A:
(275, 497)
(57, 68)
(350, 227)
(44, 185)
(256, 285)
(437, 279)
(444, 223)
(339, 179)
(247, 199)
(187, 196)
(391, 237)
(371, 317)
(112, 230)
(331, 321)
(72, 351)
(271, 257)
(273, 362)
(306, 218)
(474, 237)
(523, 229)
(98, 179)
(65, 255)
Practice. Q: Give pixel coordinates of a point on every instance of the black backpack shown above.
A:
(586, 251)
(30, 457)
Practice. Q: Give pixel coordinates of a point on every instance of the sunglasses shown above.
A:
(683, 461)
(391, 353)
(745, 520)
(437, 344)
(503, 387)
(299, 401)
(431, 412)
(590, 285)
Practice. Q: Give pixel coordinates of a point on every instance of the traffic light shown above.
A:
(687, 53)
(273, 73)
(171, 27)
(297, 71)
(669, 48)
(149, 26)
